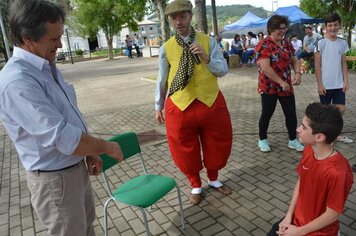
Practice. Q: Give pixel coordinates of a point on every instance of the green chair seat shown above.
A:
(144, 190)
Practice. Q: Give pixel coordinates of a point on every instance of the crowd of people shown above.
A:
(39, 111)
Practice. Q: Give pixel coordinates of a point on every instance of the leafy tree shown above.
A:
(225, 14)
(4, 5)
(160, 6)
(108, 15)
(345, 8)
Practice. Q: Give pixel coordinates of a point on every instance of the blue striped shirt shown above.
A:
(39, 111)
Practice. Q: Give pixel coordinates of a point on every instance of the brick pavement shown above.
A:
(116, 100)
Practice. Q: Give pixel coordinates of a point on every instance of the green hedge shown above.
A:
(104, 52)
(351, 64)
(79, 52)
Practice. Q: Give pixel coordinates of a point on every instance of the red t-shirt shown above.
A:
(280, 57)
(323, 183)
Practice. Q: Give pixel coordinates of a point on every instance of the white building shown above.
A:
(146, 30)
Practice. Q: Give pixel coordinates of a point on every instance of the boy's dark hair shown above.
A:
(325, 119)
(332, 17)
(308, 27)
(29, 18)
(292, 36)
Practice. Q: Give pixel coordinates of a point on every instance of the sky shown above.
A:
(266, 4)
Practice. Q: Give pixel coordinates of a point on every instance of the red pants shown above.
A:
(198, 129)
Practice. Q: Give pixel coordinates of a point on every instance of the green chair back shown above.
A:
(129, 146)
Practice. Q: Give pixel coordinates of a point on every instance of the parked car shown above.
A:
(61, 56)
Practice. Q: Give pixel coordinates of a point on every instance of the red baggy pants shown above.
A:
(199, 129)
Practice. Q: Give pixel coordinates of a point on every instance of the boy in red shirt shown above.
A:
(325, 177)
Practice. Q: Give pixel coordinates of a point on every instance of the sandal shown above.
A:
(195, 199)
(222, 189)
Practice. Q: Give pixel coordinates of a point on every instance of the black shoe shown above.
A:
(354, 168)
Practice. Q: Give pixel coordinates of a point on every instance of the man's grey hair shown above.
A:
(28, 19)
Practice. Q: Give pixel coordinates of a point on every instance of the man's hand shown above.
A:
(94, 165)
(115, 151)
(197, 49)
(159, 117)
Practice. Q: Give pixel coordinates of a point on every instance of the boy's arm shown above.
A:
(325, 219)
(344, 73)
(317, 62)
(305, 45)
(289, 216)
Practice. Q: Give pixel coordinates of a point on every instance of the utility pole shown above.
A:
(4, 36)
(70, 51)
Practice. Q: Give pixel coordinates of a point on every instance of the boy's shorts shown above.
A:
(333, 96)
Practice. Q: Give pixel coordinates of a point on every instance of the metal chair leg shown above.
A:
(180, 207)
(106, 216)
(145, 221)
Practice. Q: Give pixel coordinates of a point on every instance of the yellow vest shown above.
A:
(202, 86)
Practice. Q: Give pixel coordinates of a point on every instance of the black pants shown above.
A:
(275, 228)
(269, 102)
(138, 51)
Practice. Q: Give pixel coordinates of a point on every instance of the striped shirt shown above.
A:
(39, 111)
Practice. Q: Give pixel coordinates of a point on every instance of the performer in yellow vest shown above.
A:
(197, 119)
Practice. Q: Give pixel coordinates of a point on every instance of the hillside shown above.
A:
(231, 13)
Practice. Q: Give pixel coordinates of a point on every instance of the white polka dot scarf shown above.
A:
(186, 65)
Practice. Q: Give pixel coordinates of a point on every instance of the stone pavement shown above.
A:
(114, 98)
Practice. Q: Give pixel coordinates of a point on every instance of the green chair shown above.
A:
(142, 191)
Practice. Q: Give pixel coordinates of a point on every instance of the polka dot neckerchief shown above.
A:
(186, 65)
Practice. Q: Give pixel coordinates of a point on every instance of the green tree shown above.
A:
(200, 16)
(345, 8)
(4, 5)
(108, 15)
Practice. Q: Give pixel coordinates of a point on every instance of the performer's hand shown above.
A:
(197, 49)
(94, 165)
(159, 117)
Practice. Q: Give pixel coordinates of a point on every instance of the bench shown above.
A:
(350, 58)
(154, 46)
(234, 61)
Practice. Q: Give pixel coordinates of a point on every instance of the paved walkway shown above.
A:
(114, 98)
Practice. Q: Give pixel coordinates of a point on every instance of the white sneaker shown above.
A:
(264, 145)
(295, 144)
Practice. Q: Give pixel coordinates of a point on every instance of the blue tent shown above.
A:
(294, 13)
(244, 22)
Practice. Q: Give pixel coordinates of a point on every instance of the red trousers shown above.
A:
(197, 130)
